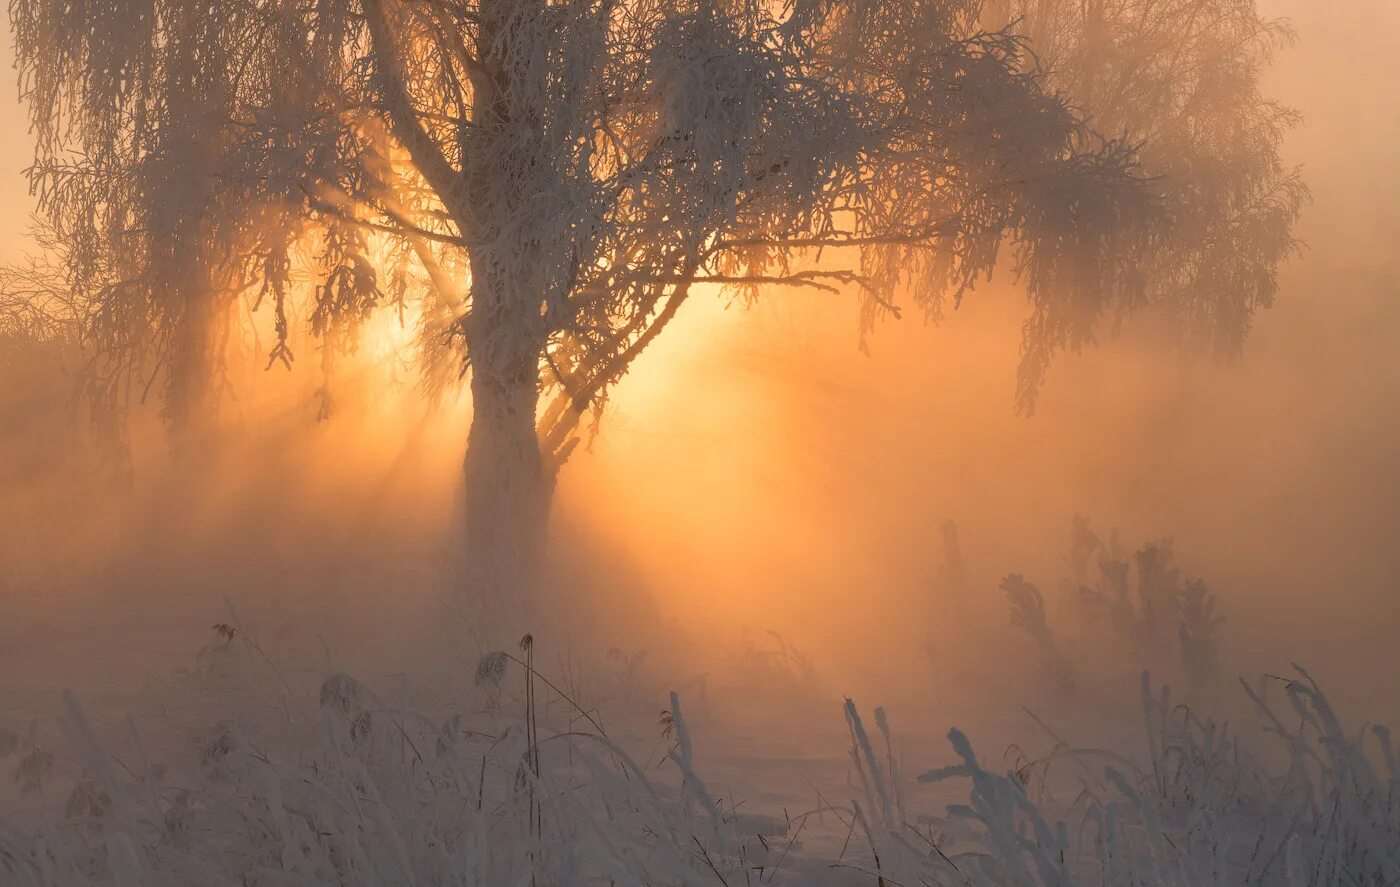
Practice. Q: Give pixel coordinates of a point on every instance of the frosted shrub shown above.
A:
(1199, 805)
(1028, 614)
(1152, 611)
(1199, 631)
(772, 661)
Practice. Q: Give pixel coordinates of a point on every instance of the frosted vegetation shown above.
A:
(1129, 610)
(348, 785)
(245, 768)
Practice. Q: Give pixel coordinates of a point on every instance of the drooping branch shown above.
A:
(340, 209)
(408, 127)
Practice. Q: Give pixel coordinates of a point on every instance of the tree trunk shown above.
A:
(507, 486)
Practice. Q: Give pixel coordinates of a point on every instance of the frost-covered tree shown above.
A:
(167, 186)
(570, 172)
(133, 213)
(1180, 79)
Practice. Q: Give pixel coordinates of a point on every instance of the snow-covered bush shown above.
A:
(1154, 615)
(1302, 803)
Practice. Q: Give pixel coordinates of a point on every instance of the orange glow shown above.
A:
(755, 469)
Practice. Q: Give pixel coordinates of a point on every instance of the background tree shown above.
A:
(40, 358)
(587, 164)
(133, 213)
(167, 187)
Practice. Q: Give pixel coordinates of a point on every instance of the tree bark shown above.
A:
(508, 484)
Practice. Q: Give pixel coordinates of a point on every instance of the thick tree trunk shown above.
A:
(507, 486)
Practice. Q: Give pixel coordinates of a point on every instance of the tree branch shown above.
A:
(555, 439)
(401, 227)
(426, 153)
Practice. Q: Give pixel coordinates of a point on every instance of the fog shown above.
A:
(822, 475)
(760, 482)
(759, 472)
